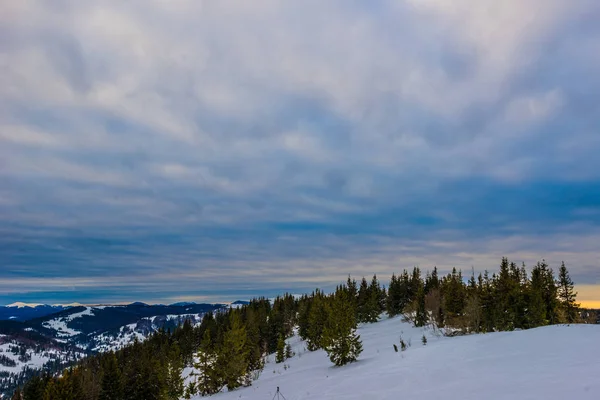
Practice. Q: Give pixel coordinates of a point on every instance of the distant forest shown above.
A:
(229, 348)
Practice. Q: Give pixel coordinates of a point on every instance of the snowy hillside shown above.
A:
(53, 341)
(554, 362)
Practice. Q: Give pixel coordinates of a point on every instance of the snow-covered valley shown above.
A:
(53, 341)
(553, 362)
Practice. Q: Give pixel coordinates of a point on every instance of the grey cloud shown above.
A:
(276, 120)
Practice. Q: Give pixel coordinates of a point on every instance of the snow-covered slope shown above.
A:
(68, 334)
(59, 324)
(555, 362)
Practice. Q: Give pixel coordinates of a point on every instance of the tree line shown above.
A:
(229, 347)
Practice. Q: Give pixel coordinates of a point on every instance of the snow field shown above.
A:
(555, 362)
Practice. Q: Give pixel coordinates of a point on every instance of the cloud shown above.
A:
(302, 141)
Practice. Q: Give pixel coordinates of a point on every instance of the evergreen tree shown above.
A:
(17, 395)
(340, 340)
(454, 294)
(210, 380)
(112, 383)
(374, 301)
(421, 317)
(64, 387)
(352, 289)
(397, 297)
(280, 356)
(414, 284)
(303, 315)
(51, 392)
(504, 303)
(550, 295)
(567, 295)
(432, 281)
(34, 389)
(253, 340)
(288, 351)
(363, 301)
(232, 357)
(316, 322)
(536, 309)
(144, 374)
(174, 380)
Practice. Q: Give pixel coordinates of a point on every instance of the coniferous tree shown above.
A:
(174, 380)
(363, 301)
(398, 294)
(144, 374)
(504, 288)
(190, 390)
(232, 356)
(112, 383)
(352, 289)
(280, 356)
(550, 295)
(421, 317)
(374, 301)
(34, 389)
(536, 310)
(340, 340)
(51, 391)
(567, 295)
(316, 322)
(303, 315)
(17, 395)
(253, 340)
(454, 297)
(414, 284)
(288, 351)
(210, 380)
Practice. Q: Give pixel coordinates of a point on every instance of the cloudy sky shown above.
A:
(213, 150)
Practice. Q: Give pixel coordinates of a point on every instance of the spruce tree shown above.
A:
(34, 389)
(340, 340)
(374, 301)
(64, 387)
(209, 380)
(232, 356)
(421, 317)
(397, 296)
(316, 322)
(567, 295)
(280, 356)
(288, 351)
(112, 383)
(536, 309)
(363, 301)
(51, 392)
(17, 395)
(550, 295)
(174, 380)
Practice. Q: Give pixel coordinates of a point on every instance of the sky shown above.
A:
(189, 150)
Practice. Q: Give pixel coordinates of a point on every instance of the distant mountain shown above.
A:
(183, 304)
(24, 312)
(51, 336)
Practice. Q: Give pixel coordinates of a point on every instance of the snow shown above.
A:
(60, 324)
(555, 362)
(19, 304)
(69, 305)
(37, 361)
